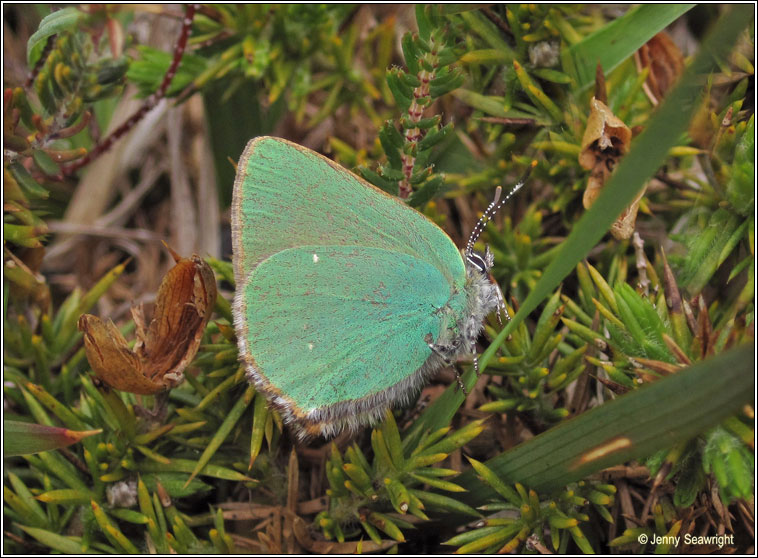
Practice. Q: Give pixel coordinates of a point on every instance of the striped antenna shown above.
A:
(493, 208)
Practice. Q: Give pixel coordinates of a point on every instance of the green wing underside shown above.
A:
(286, 196)
(328, 324)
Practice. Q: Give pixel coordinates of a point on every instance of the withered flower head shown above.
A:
(166, 347)
(666, 64)
(606, 140)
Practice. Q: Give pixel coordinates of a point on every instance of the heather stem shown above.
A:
(150, 102)
(415, 112)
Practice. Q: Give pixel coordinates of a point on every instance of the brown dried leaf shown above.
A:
(183, 306)
(601, 92)
(704, 335)
(658, 366)
(606, 139)
(167, 345)
(623, 227)
(111, 359)
(676, 350)
(666, 64)
(615, 387)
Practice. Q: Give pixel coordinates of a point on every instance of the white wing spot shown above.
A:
(315, 258)
(310, 346)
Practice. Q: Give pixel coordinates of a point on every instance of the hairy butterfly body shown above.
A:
(347, 300)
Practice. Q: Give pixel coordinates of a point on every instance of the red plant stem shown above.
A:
(150, 102)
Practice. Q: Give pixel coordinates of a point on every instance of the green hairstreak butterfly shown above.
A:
(347, 300)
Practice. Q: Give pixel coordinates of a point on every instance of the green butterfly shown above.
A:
(347, 299)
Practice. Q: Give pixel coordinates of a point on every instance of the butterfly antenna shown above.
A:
(494, 207)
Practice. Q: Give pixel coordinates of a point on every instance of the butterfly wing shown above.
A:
(335, 333)
(287, 196)
(351, 349)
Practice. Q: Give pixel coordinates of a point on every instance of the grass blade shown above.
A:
(618, 40)
(65, 545)
(226, 427)
(657, 416)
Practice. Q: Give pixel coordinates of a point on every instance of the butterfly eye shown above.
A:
(477, 261)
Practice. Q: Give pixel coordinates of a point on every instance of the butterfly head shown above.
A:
(482, 263)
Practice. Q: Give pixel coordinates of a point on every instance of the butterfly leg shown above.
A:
(476, 358)
(443, 351)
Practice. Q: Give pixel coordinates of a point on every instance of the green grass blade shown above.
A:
(231, 419)
(657, 416)
(618, 40)
(648, 152)
(54, 541)
(65, 496)
(33, 511)
(188, 466)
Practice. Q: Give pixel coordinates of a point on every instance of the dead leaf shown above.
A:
(658, 366)
(166, 346)
(615, 387)
(606, 140)
(666, 64)
(601, 92)
(110, 357)
(623, 227)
